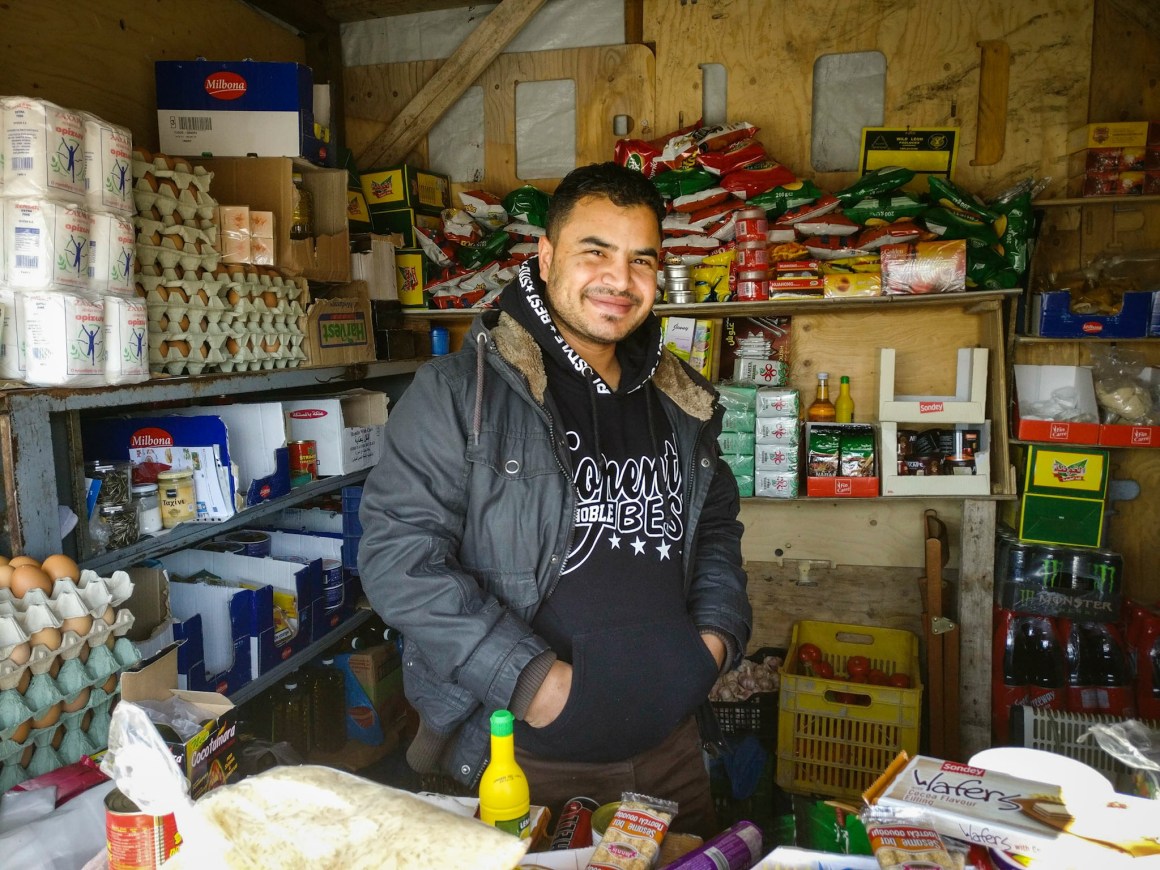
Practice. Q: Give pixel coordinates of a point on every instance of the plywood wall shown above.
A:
(98, 55)
(769, 48)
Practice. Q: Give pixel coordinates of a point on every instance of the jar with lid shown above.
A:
(148, 504)
(176, 494)
(114, 480)
(120, 525)
(302, 214)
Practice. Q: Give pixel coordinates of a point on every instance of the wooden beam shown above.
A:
(471, 58)
(633, 22)
(976, 593)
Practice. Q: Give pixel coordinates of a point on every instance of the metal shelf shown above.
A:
(255, 687)
(190, 533)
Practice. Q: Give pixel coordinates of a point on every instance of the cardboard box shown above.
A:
(372, 260)
(380, 674)
(893, 483)
(287, 608)
(267, 184)
(402, 222)
(347, 428)
(1127, 434)
(211, 757)
(1036, 384)
(406, 187)
(1052, 317)
(338, 600)
(770, 334)
(201, 443)
(1130, 183)
(967, 405)
(691, 340)
(339, 328)
(259, 433)
(236, 108)
(413, 271)
(152, 628)
(1112, 134)
(1064, 494)
(212, 625)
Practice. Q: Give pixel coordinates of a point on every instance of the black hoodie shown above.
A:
(618, 613)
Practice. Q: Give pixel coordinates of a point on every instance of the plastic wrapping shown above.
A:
(904, 838)
(126, 336)
(1123, 388)
(65, 339)
(46, 243)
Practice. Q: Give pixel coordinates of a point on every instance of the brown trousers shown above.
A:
(674, 770)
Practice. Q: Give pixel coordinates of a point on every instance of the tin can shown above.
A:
(137, 841)
(303, 462)
(1107, 568)
(574, 830)
(333, 585)
(178, 502)
(254, 543)
(1047, 566)
(222, 547)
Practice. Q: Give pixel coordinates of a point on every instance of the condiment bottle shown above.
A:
(822, 409)
(328, 706)
(290, 719)
(844, 405)
(302, 215)
(504, 800)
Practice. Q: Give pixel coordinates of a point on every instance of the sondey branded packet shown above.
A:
(1019, 816)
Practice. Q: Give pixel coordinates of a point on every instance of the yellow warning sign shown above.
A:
(926, 150)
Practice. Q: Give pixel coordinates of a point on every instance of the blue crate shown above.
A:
(351, 528)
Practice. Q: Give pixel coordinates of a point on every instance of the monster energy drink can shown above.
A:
(1079, 569)
(1047, 567)
(1107, 568)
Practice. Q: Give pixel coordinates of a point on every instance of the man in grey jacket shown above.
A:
(552, 530)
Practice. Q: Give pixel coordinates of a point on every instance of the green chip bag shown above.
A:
(781, 199)
(884, 209)
(944, 192)
(1014, 227)
(988, 269)
(874, 183)
(529, 204)
(949, 223)
(480, 254)
(679, 182)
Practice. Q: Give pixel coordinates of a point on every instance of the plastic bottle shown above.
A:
(302, 215)
(822, 409)
(503, 791)
(290, 720)
(327, 706)
(844, 405)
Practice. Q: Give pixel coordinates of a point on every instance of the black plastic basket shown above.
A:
(757, 714)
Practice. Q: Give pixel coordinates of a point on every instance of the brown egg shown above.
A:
(110, 615)
(58, 737)
(47, 636)
(20, 653)
(26, 755)
(78, 702)
(3, 560)
(17, 561)
(84, 653)
(270, 298)
(51, 716)
(22, 731)
(110, 685)
(86, 720)
(82, 625)
(25, 578)
(6, 576)
(59, 566)
(25, 679)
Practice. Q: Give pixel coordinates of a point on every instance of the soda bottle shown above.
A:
(503, 790)
(1009, 676)
(1148, 668)
(1044, 667)
(1078, 655)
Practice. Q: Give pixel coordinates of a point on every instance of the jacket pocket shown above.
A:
(631, 686)
(514, 455)
(513, 588)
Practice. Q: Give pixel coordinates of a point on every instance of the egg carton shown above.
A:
(76, 734)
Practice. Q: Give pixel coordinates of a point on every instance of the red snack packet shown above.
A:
(873, 238)
(757, 178)
(706, 214)
(827, 225)
(815, 209)
(702, 199)
(831, 247)
(639, 155)
(737, 156)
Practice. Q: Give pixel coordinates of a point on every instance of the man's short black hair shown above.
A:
(624, 187)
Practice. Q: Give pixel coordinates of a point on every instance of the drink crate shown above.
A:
(835, 737)
(351, 527)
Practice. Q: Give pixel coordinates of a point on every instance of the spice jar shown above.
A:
(148, 504)
(120, 523)
(115, 481)
(178, 503)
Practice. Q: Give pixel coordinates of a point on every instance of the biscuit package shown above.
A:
(904, 839)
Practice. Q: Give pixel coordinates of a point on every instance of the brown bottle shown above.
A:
(822, 409)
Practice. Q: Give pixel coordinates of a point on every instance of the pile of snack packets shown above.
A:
(870, 238)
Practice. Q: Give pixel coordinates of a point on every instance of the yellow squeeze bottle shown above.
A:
(504, 800)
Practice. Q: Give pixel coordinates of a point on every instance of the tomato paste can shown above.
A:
(137, 841)
(333, 584)
(303, 462)
(574, 830)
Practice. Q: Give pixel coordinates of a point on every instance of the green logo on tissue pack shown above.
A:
(342, 330)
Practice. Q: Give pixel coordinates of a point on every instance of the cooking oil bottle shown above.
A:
(503, 791)
(821, 410)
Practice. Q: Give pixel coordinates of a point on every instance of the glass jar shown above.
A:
(148, 504)
(115, 480)
(120, 525)
(178, 503)
(302, 215)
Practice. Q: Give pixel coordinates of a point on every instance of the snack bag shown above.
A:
(633, 838)
(904, 839)
(786, 196)
(681, 182)
(875, 183)
(485, 208)
(528, 203)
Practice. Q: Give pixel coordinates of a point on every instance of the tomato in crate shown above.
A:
(841, 721)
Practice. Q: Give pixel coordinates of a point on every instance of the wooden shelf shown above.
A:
(1022, 443)
(1094, 200)
(805, 499)
(1036, 339)
(980, 300)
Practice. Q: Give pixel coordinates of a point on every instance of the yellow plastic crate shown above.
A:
(835, 737)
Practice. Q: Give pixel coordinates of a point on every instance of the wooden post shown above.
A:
(976, 594)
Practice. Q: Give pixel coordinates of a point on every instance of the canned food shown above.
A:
(137, 841)
(222, 547)
(254, 543)
(178, 502)
(303, 462)
(752, 286)
(752, 255)
(574, 830)
(333, 585)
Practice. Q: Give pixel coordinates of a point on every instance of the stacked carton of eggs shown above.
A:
(204, 314)
(62, 648)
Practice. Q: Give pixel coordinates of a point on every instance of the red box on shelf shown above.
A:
(842, 487)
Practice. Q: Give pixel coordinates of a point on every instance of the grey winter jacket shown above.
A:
(467, 519)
